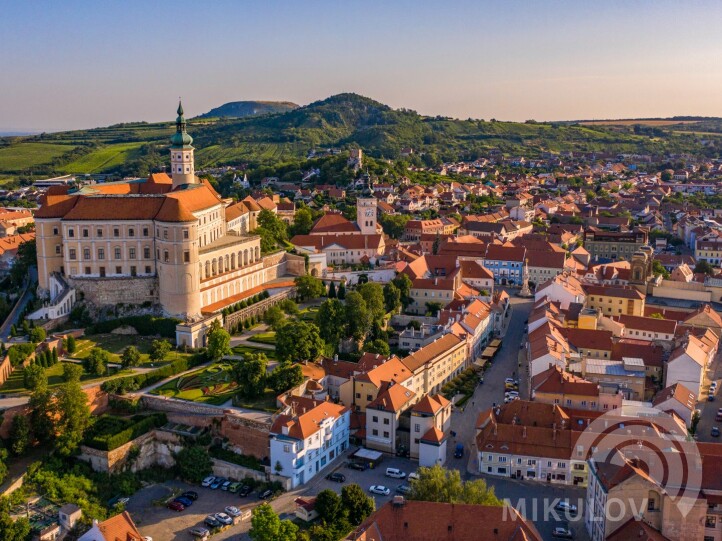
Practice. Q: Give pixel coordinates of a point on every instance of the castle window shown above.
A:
(147, 269)
(86, 253)
(71, 232)
(165, 234)
(55, 230)
(71, 253)
(87, 270)
(102, 272)
(185, 233)
(133, 271)
(116, 232)
(186, 257)
(117, 252)
(131, 232)
(166, 256)
(101, 253)
(85, 233)
(131, 253)
(57, 249)
(99, 232)
(146, 253)
(145, 232)
(118, 270)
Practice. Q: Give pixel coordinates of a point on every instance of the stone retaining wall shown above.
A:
(235, 472)
(155, 448)
(111, 291)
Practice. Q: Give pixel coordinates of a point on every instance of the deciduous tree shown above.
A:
(20, 435)
(437, 484)
(358, 316)
(33, 376)
(159, 350)
(96, 361)
(130, 357)
(331, 321)
(250, 374)
(72, 372)
(193, 463)
(357, 503)
(219, 344)
(74, 417)
(309, 287)
(373, 295)
(267, 526)
(285, 377)
(298, 341)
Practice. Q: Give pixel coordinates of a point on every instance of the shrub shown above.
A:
(111, 432)
(145, 325)
(247, 461)
(19, 352)
(138, 381)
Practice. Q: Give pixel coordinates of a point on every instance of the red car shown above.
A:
(176, 506)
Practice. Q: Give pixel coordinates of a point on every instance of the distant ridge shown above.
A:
(242, 109)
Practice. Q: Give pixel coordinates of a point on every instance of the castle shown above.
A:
(164, 241)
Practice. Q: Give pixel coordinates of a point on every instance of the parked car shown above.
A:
(566, 506)
(176, 506)
(561, 532)
(233, 511)
(226, 485)
(715, 432)
(413, 475)
(191, 495)
(200, 533)
(710, 397)
(208, 481)
(459, 451)
(395, 473)
(187, 502)
(265, 494)
(223, 519)
(379, 489)
(234, 487)
(360, 466)
(211, 522)
(403, 489)
(336, 477)
(217, 482)
(244, 491)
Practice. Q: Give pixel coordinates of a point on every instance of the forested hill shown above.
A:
(242, 109)
(340, 121)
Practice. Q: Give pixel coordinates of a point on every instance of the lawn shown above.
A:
(265, 402)
(116, 343)
(264, 338)
(212, 385)
(243, 350)
(309, 314)
(24, 155)
(103, 158)
(15, 384)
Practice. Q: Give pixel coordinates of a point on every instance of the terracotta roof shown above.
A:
(236, 210)
(651, 354)
(554, 380)
(651, 324)
(636, 530)
(304, 425)
(350, 242)
(431, 351)
(499, 252)
(678, 392)
(430, 404)
(434, 436)
(546, 259)
(589, 338)
(474, 269)
(617, 292)
(434, 521)
(251, 204)
(391, 370)
(393, 398)
(55, 206)
(333, 223)
(120, 528)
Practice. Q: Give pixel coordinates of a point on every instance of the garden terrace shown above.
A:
(110, 432)
(211, 385)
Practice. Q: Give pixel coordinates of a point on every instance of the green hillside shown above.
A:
(242, 109)
(344, 120)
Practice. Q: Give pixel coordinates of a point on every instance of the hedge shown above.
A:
(246, 461)
(145, 325)
(138, 381)
(112, 434)
(19, 352)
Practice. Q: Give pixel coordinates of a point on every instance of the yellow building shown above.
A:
(615, 300)
(436, 364)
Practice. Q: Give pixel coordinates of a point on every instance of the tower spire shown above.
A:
(181, 152)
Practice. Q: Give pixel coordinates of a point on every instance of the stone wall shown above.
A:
(257, 309)
(295, 265)
(155, 448)
(111, 291)
(97, 399)
(235, 472)
(172, 405)
(247, 436)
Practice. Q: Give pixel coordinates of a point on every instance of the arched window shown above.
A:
(245, 257)
(214, 268)
(227, 264)
(208, 269)
(233, 261)
(258, 253)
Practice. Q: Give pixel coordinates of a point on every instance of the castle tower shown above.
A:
(366, 215)
(181, 153)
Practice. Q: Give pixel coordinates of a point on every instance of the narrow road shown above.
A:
(20, 305)
(492, 390)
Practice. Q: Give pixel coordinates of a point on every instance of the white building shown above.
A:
(304, 442)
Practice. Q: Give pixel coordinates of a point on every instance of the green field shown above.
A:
(212, 385)
(116, 343)
(25, 155)
(15, 383)
(102, 159)
(264, 338)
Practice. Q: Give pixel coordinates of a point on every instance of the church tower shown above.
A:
(366, 208)
(181, 153)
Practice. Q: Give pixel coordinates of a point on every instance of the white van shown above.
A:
(413, 476)
(395, 473)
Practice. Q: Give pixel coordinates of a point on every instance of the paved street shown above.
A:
(708, 410)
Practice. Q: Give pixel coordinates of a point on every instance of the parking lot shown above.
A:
(160, 523)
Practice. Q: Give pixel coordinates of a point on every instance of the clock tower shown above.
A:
(181, 153)
(366, 209)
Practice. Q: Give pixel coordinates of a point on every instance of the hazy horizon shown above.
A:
(76, 65)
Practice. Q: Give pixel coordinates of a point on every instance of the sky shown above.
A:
(73, 64)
